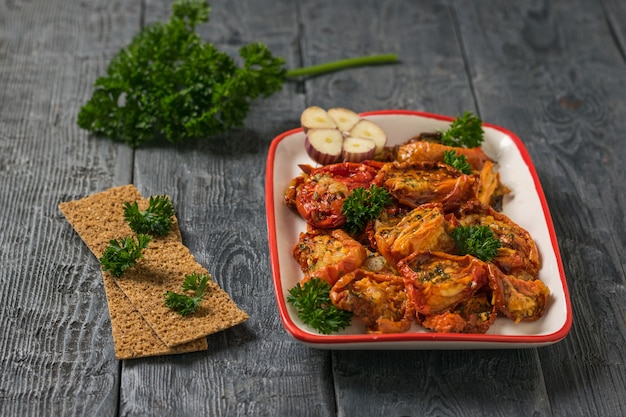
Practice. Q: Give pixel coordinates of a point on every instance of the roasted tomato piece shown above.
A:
(423, 228)
(417, 150)
(328, 255)
(320, 198)
(490, 189)
(521, 300)
(380, 300)
(390, 216)
(292, 191)
(417, 183)
(475, 315)
(518, 254)
(437, 282)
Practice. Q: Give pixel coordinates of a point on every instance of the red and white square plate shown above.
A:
(526, 205)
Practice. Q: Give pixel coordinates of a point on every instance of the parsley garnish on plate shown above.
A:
(314, 307)
(478, 241)
(464, 131)
(457, 161)
(363, 205)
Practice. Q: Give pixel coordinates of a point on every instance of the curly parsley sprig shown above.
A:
(314, 307)
(464, 131)
(187, 304)
(363, 205)
(457, 161)
(476, 240)
(123, 253)
(156, 220)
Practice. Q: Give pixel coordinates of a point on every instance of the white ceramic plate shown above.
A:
(526, 206)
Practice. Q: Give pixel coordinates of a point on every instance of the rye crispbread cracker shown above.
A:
(132, 336)
(163, 267)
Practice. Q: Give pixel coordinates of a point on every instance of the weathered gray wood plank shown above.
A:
(56, 355)
(615, 12)
(431, 74)
(441, 383)
(538, 69)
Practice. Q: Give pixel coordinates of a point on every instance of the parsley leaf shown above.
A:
(457, 161)
(465, 131)
(478, 241)
(123, 253)
(187, 304)
(363, 205)
(314, 307)
(156, 220)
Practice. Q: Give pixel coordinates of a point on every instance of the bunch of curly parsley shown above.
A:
(169, 83)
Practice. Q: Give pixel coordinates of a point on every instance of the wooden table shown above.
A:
(554, 73)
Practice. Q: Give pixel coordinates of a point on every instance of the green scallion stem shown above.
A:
(343, 64)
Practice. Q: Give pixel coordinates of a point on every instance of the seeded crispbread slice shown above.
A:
(98, 218)
(162, 268)
(132, 336)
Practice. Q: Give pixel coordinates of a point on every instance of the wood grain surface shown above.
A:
(553, 72)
